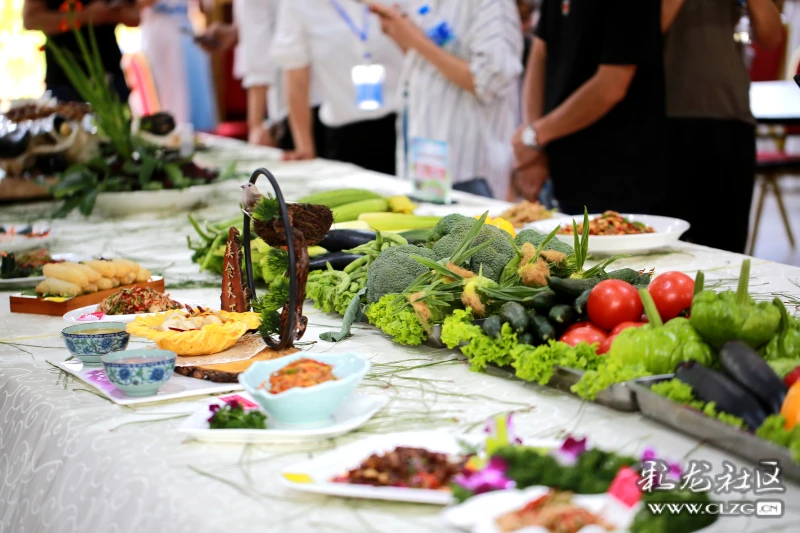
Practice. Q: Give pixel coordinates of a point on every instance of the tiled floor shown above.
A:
(772, 242)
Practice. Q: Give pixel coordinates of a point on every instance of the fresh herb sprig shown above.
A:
(234, 416)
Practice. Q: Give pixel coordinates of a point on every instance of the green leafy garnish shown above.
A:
(233, 416)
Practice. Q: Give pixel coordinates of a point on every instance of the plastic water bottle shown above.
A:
(437, 30)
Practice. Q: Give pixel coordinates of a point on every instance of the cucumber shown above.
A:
(515, 315)
(562, 315)
(543, 301)
(581, 301)
(572, 287)
(542, 330)
(492, 326)
(625, 274)
(525, 338)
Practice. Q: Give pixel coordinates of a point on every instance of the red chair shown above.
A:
(234, 105)
(772, 164)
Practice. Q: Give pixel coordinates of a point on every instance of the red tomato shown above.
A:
(612, 302)
(580, 325)
(672, 292)
(588, 334)
(605, 346)
(792, 377)
(626, 325)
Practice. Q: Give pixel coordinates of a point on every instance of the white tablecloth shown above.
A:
(71, 461)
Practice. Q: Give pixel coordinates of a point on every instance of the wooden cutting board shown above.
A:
(229, 372)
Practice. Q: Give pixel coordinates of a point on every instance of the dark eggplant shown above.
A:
(338, 260)
(157, 124)
(729, 396)
(338, 240)
(750, 370)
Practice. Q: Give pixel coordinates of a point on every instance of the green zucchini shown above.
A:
(525, 338)
(581, 302)
(515, 315)
(562, 315)
(542, 330)
(531, 315)
(492, 326)
(543, 301)
(572, 286)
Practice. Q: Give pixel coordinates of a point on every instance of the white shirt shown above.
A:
(311, 33)
(477, 128)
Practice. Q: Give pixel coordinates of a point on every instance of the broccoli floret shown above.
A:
(446, 225)
(535, 238)
(394, 270)
(493, 258)
(491, 261)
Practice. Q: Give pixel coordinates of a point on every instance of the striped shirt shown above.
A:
(477, 127)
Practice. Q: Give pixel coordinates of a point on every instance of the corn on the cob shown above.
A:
(401, 204)
(338, 197)
(348, 212)
(397, 221)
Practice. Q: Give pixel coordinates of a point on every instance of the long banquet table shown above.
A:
(70, 461)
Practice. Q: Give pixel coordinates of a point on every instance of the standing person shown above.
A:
(710, 128)
(181, 71)
(55, 18)
(465, 93)
(331, 38)
(264, 80)
(594, 106)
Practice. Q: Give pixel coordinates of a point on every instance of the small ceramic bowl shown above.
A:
(139, 372)
(310, 406)
(88, 342)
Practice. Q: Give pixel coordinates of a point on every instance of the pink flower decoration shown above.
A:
(675, 470)
(570, 450)
(491, 478)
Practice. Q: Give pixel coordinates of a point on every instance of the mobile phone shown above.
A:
(205, 40)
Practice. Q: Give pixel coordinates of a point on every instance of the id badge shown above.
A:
(368, 81)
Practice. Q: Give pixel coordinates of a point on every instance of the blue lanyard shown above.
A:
(361, 33)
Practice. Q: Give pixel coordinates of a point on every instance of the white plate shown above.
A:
(72, 316)
(24, 283)
(315, 475)
(177, 387)
(479, 513)
(119, 204)
(354, 412)
(667, 231)
(21, 243)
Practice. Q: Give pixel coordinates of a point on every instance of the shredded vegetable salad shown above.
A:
(137, 300)
(610, 223)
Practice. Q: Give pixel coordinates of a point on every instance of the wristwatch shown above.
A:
(529, 138)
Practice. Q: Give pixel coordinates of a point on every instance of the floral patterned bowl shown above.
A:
(139, 372)
(88, 342)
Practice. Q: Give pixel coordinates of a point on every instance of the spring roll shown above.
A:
(68, 272)
(91, 274)
(128, 279)
(143, 275)
(104, 284)
(104, 268)
(90, 288)
(57, 287)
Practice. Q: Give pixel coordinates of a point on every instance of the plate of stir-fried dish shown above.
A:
(615, 233)
(126, 304)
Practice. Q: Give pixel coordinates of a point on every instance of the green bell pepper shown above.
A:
(730, 315)
(786, 344)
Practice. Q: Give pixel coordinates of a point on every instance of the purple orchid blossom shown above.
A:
(675, 470)
(570, 450)
(491, 478)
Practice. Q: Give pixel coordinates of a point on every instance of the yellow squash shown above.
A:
(501, 223)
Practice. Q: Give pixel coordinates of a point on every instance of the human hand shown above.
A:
(530, 179)
(397, 26)
(219, 36)
(260, 136)
(299, 155)
(524, 155)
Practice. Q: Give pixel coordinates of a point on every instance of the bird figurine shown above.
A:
(250, 197)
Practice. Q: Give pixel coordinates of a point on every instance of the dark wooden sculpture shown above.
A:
(234, 290)
(296, 228)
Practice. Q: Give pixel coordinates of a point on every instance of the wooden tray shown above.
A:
(36, 305)
(17, 188)
(229, 372)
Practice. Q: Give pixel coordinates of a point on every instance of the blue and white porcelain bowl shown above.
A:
(88, 342)
(139, 372)
(311, 406)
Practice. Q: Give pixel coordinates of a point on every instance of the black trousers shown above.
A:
(711, 165)
(286, 142)
(370, 144)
